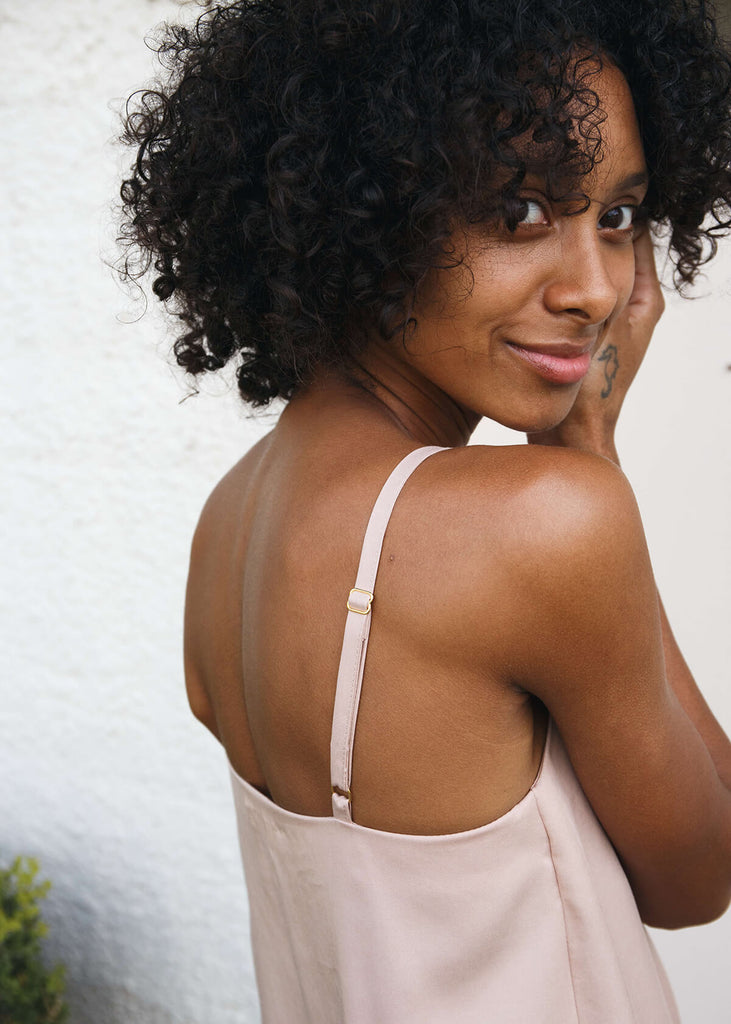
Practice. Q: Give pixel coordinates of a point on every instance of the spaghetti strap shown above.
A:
(356, 925)
(357, 628)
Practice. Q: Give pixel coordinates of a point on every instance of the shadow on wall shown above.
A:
(114, 1004)
(101, 944)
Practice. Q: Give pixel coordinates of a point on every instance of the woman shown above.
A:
(401, 218)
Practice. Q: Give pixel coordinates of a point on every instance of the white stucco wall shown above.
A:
(104, 775)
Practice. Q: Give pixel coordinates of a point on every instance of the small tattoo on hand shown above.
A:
(611, 365)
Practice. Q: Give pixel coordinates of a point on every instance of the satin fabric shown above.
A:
(526, 920)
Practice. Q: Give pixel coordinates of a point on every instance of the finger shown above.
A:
(647, 285)
(645, 253)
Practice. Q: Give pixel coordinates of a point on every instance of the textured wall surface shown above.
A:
(104, 775)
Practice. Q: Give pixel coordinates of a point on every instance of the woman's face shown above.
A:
(510, 334)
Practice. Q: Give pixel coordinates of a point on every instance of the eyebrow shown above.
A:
(631, 181)
(638, 178)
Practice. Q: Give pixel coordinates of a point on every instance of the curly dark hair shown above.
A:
(304, 162)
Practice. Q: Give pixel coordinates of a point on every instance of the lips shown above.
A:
(560, 364)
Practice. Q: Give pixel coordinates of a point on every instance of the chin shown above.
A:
(533, 420)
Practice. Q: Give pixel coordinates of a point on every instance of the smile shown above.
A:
(561, 364)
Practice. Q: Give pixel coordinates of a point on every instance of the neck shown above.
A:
(420, 408)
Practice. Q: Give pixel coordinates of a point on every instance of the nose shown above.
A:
(583, 280)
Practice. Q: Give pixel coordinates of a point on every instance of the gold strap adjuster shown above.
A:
(342, 792)
(367, 594)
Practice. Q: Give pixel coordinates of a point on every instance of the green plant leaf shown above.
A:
(30, 992)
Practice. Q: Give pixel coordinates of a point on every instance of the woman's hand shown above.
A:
(593, 417)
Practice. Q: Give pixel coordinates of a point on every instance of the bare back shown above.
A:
(273, 561)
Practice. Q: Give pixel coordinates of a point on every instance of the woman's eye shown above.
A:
(619, 218)
(530, 212)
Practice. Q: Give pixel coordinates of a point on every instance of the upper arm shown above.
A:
(208, 604)
(589, 645)
(196, 690)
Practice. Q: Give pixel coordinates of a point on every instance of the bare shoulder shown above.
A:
(551, 479)
(575, 513)
(503, 535)
(223, 505)
(547, 506)
(571, 532)
(556, 549)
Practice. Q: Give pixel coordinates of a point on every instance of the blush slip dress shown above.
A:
(526, 920)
